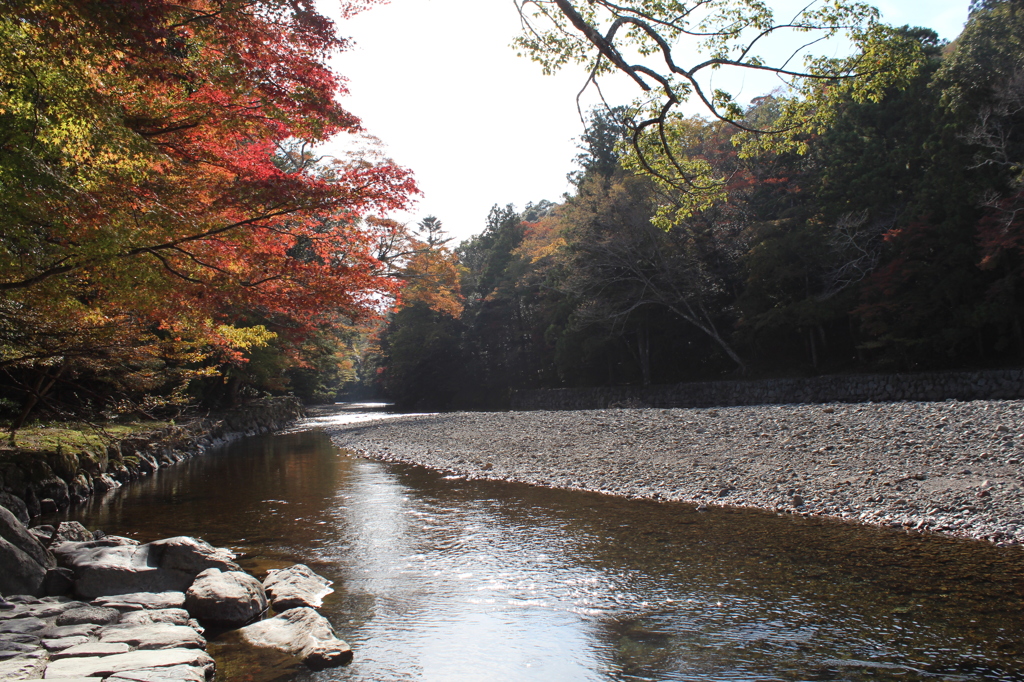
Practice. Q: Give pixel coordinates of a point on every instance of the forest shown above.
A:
(171, 236)
(887, 239)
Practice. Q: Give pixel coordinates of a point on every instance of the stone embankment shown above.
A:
(32, 483)
(1000, 384)
(949, 467)
(80, 605)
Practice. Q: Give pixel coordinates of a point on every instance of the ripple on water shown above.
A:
(441, 579)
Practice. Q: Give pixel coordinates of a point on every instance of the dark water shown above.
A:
(440, 579)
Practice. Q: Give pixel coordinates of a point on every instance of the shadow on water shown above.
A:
(444, 579)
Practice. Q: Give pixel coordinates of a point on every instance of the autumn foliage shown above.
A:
(160, 188)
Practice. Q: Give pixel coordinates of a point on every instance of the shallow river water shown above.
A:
(445, 579)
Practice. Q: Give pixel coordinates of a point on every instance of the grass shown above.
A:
(76, 436)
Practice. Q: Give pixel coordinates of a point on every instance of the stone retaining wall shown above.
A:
(31, 483)
(855, 388)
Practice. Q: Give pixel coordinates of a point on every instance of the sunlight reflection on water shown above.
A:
(442, 579)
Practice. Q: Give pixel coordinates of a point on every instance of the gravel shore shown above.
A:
(949, 467)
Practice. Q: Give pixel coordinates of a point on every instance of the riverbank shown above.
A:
(950, 467)
(60, 469)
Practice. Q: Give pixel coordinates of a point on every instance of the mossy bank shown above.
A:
(53, 471)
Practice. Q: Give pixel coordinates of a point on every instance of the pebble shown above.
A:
(878, 463)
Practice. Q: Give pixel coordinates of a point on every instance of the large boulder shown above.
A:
(296, 586)
(21, 574)
(300, 632)
(230, 598)
(24, 559)
(15, 532)
(163, 566)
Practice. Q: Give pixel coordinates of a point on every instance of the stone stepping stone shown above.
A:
(296, 586)
(42, 610)
(64, 642)
(99, 615)
(106, 666)
(92, 649)
(176, 673)
(24, 667)
(83, 630)
(154, 636)
(139, 601)
(231, 598)
(12, 649)
(300, 632)
(22, 626)
(170, 616)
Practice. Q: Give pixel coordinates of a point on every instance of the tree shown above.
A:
(157, 181)
(647, 42)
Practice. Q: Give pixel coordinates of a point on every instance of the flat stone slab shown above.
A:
(99, 615)
(175, 673)
(23, 667)
(12, 649)
(63, 643)
(21, 626)
(41, 610)
(105, 666)
(168, 565)
(92, 649)
(142, 601)
(154, 636)
(296, 586)
(169, 616)
(83, 630)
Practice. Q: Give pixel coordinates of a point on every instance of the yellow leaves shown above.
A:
(246, 338)
(676, 157)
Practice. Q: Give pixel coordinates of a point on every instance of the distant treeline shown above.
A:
(889, 240)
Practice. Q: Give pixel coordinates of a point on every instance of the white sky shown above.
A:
(437, 81)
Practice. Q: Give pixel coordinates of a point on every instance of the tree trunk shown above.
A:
(43, 385)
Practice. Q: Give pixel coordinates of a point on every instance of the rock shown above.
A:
(24, 667)
(42, 533)
(163, 566)
(48, 609)
(16, 506)
(103, 483)
(63, 643)
(142, 601)
(14, 531)
(47, 505)
(22, 626)
(105, 666)
(92, 649)
(99, 615)
(154, 636)
(58, 581)
(12, 649)
(301, 632)
(83, 630)
(71, 531)
(169, 616)
(21, 574)
(225, 597)
(177, 673)
(296, 586)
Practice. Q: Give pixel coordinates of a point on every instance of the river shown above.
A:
(445, 579)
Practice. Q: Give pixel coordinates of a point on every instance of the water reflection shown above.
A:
(441, 579)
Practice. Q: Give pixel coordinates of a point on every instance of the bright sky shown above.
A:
(437, 81)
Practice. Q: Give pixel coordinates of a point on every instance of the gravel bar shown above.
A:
(949, 467)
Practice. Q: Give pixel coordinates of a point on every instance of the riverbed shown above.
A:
(950, 467)
(441, 578)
